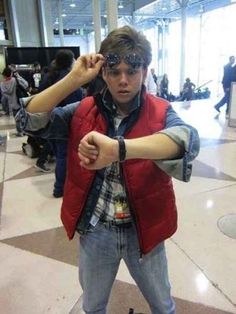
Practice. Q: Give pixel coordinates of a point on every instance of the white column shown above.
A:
(97, 23)
(60, 23)
(160, 48)
(165, 53)
(14, 23)
(43, 23)
(199, 50)
(183, 5)
(112, 15)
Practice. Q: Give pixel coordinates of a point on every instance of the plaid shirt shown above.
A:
(112, 188)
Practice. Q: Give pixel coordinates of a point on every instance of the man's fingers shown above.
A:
(96, 58)
(93, 60)
(90, 155)
(88, 150)
(84, 161)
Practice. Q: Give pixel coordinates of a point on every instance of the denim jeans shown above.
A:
(101, 250)
(44, 152)
(224, 100)
(60, 151)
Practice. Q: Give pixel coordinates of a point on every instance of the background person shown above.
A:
(188, 90)
(164, 87)
(226, 83)
(150, 84)
(9, 98)
(35, 78)
(60, 67)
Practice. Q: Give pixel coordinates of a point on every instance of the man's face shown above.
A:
(37, 68)
(124, 81)
(232, 60)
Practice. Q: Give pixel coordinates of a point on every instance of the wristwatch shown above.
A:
(122, 148)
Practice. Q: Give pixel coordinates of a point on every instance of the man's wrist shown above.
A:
(74, 81)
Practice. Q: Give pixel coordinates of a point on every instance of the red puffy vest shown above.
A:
(150, 190)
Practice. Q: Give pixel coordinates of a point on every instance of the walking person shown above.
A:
(124, 146)
(164, 86)
(226, 83)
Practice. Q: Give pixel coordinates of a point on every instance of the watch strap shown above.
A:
(122, 149)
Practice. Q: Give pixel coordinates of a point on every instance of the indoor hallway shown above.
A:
(38, 271)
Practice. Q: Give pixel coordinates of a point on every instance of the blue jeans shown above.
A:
(224, 100)
(60, 151)
(101, 250)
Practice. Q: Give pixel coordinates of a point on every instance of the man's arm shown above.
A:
(48, 125)
(176, 161)
(84, 70)
(97, 151)
(21, 80)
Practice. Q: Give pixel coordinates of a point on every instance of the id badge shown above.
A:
(121, 207)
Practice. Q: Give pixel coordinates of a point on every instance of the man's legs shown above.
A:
(43, 156)
(99, 258)
(227, 98)
(98, 265)
(220, 103)
(151, 275)
(60, 170)
(224, 100)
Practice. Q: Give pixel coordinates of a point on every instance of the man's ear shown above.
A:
(145, 70)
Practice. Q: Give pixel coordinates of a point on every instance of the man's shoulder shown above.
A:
(157, 106)
(86, 104)
(155, 100)
(227, 66)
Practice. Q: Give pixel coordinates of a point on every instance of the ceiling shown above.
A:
(79, 17)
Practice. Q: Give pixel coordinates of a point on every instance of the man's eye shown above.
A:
(113, 72)
(131, 71)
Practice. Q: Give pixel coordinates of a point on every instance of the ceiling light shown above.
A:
(63, 15)
(72, 5)
(201, 9)
(120, 5)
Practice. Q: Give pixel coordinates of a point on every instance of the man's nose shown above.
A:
(123, 78)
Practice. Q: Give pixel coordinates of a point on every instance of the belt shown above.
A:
(113, 223)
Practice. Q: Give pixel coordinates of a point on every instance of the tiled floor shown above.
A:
(38, 272)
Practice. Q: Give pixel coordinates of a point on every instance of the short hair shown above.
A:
(64, 59)
(126, 40)
(7, 72)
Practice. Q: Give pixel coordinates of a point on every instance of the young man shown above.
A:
(226, 83)
(124, 146)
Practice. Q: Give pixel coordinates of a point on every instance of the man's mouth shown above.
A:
(123, 92)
